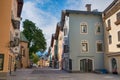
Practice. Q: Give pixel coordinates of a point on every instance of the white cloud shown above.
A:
(44, 20)
(80, 4)
(73, 4)
(47, 21)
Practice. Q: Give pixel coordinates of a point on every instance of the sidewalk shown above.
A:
(20, 74)
(55, 74)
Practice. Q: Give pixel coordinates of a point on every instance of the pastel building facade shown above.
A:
(111, 17)
(10, 34)
(83, 40)
(23, 57)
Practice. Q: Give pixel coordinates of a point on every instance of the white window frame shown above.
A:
(83, 23)
(84, 41)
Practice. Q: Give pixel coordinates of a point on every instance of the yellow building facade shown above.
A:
(9, 33)
(23, 57)
(111, 17)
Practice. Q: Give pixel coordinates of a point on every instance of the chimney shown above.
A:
(88, 6)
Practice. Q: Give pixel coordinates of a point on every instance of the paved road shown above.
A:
(54, 74)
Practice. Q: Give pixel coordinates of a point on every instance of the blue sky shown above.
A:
(46, 13)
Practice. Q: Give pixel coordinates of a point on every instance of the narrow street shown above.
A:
(55, 74)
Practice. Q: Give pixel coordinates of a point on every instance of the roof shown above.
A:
(23, 38)
(67, 12)
(111, 9)
(111, 5)
(82, 12)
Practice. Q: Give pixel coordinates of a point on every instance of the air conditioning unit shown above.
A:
(16, 50)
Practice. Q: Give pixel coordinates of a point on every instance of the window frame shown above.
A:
(84, 42)
(98, 25)
(110, 39)
(82, 24)
(98, 42)
(118, 36)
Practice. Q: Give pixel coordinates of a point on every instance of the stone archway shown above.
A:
(86, 65)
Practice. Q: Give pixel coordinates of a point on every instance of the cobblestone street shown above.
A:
(54, 74)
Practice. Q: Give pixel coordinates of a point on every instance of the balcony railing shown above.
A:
(108, 28)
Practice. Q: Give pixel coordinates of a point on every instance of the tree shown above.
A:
(35, 58)
(35, 37)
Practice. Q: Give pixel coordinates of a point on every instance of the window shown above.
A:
(118, 35)
(99, 46)
(83, 28)
(98, 28)
(65, 31)
(23, 53)
(84, 46)
(66, 49)
(109, 23)
(1, 61)
(118, 18)
(110, 39)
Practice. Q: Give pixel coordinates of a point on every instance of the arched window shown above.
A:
(114, 66)
(98, 28)
(83, 27)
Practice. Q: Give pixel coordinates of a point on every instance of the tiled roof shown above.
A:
(23, 38)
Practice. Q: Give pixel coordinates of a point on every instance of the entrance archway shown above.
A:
(114, 66)
(86, 65)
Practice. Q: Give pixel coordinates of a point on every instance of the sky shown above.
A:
(47, 13)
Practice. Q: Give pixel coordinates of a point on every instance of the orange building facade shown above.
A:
(10, 34)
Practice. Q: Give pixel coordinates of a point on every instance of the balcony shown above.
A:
(16, 24)
(118, 45)
(108, 28)
(15, 21)
(117, 22)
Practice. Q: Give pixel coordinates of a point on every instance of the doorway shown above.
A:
(114, 66)
(86, 65)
